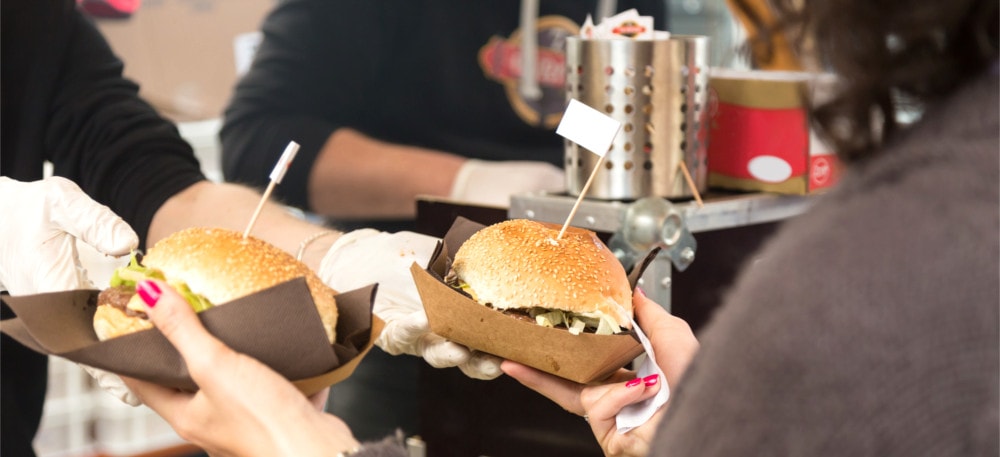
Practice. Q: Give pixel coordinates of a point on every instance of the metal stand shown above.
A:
(621, 219)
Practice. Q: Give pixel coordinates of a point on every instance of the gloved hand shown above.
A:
(38, 254)
(368, 256)
(492, 183)
(39, 243)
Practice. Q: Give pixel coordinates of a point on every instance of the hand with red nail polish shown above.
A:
(674, 344)
(149, 292)
(243, 408)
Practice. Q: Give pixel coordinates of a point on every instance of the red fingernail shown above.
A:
(651, 379)
(149, 291)
(633, 383)
(641, 292)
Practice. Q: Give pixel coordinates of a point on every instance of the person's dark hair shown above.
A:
(887, 55)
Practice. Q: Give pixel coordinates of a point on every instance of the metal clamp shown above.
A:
(653, 222)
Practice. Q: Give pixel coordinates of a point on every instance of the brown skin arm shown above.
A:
(231, 206)
(356, 176)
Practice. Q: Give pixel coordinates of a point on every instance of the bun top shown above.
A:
(222, 266)
(519, 264)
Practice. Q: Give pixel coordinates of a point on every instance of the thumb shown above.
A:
(482, 366)
(441, 353)
(175, 319)
(112, 384)
(674, 343)
(402, 333)
(95, 224)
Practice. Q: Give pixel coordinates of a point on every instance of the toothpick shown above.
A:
(276, 176)
(583, 192)
(687, 174)
(690, 183)
(592, 130)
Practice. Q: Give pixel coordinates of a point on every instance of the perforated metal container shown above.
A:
(658, 90)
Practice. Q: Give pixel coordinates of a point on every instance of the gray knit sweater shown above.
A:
(867, 326)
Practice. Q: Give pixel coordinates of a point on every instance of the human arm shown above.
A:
(232, 206)
(674, 345)
(99, 133)
(357, 176)
(371, 143)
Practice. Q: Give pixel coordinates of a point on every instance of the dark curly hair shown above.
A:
(888, 56)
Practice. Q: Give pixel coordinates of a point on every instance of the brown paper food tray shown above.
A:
(582, 358)
(278, 326)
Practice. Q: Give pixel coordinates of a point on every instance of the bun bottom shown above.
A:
(110, 322)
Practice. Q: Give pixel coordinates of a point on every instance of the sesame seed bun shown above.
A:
(519, 264)
(222, 266)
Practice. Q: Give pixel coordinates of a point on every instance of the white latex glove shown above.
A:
(363, 257)
(38, 245)
(492, 183)
(45, 218)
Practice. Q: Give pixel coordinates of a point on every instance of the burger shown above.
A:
(209, 267)
(524, 269)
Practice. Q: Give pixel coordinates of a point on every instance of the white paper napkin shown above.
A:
(637, 414)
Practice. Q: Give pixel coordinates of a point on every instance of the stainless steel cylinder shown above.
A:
(658, 90)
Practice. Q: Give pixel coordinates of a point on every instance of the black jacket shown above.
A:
(64, 101)
(436, 74)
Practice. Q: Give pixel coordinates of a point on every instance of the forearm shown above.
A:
(231, 206)
(355, 176)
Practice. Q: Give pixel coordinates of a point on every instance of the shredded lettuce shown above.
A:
(577, 326)
(575, 322)
(606, 326)
(550, 319)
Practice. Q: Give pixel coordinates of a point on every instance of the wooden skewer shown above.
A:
(260, 206)
(690, 183)
(590, 129)
(583, 192)
(687, 174)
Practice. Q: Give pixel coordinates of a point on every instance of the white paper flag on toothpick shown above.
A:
(285, 161)
(588, 127)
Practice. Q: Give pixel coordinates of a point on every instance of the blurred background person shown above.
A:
(123, 178)
(395, 99)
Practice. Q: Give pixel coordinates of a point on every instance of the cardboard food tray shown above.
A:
(582, 358)
(278, 326)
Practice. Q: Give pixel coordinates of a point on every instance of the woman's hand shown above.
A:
(674, 345)
(242, 407)
(598, 404)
